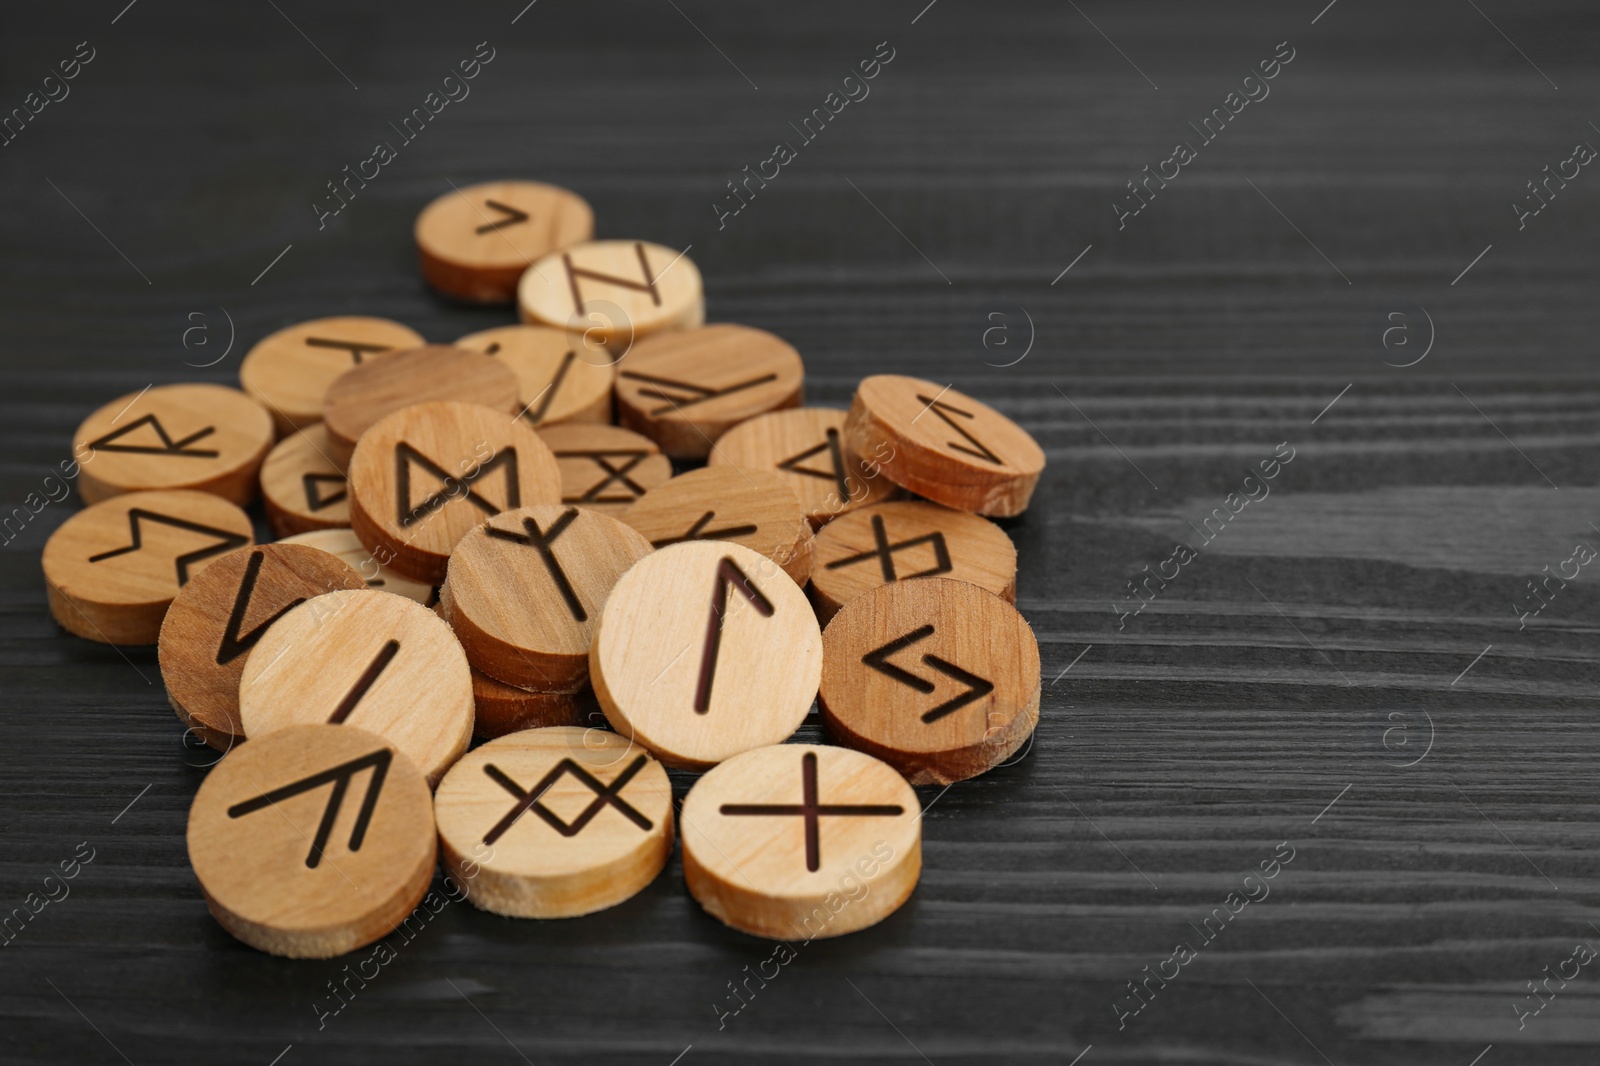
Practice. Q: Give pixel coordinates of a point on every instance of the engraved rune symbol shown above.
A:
(647, 285)
(698, 531)
(315, 501)
(536, 411)
(837, 474)
(369, 677)
(977, 687)
(542, 541)
(884, 553)
(602, 458)
(339, 776)
(688, 395)
(233, 644)
(944, 411)
(137, 515)
(728, 576)
(168, 445)
(604, 795)
(454, 487)
(513, 216)
(811, 809)
(357, 349)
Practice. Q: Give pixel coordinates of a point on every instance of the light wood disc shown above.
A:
(801, 841)
(112, 569)
(313, 841)
(368, 659)
(554, 823)
(684, 389)
(705, 649)
(289, 371)
(219, 616)
(559, 378)
(474, 243)
(203, 437)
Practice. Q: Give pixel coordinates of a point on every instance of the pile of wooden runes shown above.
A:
(470, 545)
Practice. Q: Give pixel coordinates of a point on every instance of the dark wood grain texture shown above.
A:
(1326, 638)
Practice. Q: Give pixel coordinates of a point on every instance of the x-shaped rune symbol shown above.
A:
(529, 800)
(614, 473)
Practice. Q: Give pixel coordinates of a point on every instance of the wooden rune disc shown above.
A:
(902, 539)
(474, 243)
(806, 446)
(289, 371)
(112, 569)
(204, 437)
(302, 487)
(686, 388)
(343, 543)
(425, 475)
(705, 649)
(217, 618)
(946, 445)
(559, 379)
(381, 662)
(605, 468)
(554, 823)
(499, 708)
(801, 841)
(362, 397)
(313, 841)
(754, 508)
(613, 292)
(937, 678)
(502, 708)
(527, 586)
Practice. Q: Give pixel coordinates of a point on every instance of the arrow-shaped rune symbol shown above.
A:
(878, 659)
(513, 216)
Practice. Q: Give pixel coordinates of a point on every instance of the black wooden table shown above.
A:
(1345, 680)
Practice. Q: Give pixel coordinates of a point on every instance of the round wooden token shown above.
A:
(705, 650)
(801, 841)
(605, 468)
(938, 678)
(749, 507)
(217, 618)
(686, 388)
(945, 445)
(313, 841)
(559, 378)
(302, 487)
(902, 539)
(289, 371)
(380, 662)
(613, 292)
(204, 437)
(343, 543)
(362, 397)
(527, 586)
(112, 569)
(806, 446)
(501, 708)
(474, 243)
(571, 821)
(425, 475)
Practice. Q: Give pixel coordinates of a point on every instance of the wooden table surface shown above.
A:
(1342, 674)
